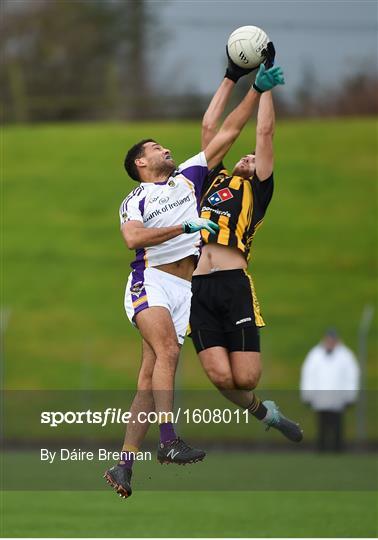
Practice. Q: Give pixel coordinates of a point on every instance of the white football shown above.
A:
(245, 46)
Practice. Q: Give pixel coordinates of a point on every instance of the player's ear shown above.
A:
(140, 162)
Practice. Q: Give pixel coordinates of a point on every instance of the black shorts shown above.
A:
(225, 312)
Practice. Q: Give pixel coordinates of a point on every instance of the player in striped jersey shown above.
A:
(225, 315)
(159, 219)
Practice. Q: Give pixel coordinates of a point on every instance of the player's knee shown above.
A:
(247, 381)
(222, 380)
(145, 380)
(168, 354)
(172, 351)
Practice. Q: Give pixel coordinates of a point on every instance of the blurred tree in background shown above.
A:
(355, 95)
(358, 95)
(82, 59)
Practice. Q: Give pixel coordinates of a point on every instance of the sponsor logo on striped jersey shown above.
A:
(220, 196)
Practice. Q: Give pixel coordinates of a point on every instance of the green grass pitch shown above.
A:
(190, 514)
(313, 261)
(250, 495)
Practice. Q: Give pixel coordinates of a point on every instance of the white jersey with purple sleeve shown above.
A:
(164, 204)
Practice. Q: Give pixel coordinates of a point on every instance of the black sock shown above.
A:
(257, 408)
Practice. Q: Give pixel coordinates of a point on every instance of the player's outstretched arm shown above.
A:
(137, 236)
(212, 116)
(266, 79)
(230, 130)
(210, 121)
(264, 137)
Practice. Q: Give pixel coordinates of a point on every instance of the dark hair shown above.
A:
(135, 152)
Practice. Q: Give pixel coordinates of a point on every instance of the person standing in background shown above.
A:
(329, 383)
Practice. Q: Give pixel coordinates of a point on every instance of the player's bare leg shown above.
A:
(119, 476)
(236, 374)
(142, 402)
(216, 362)
(246, 369)
(156, 326)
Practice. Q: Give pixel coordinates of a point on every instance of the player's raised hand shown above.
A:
(270, 54)
(233, 71)
(266, 79)
(195, 225)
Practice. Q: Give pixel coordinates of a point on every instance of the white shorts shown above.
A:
(157, 288)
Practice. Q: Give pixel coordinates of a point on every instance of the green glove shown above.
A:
(195, 225)
(266, 79)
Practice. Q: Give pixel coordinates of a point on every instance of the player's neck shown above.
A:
(155, 179)
(156, 176)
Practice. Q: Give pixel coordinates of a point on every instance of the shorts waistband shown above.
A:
(222, 273)
(171, 277)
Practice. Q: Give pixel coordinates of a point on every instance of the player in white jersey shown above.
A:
(157, 205)
(159, 219)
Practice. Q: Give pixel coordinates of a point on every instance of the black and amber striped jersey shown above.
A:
(237, 205)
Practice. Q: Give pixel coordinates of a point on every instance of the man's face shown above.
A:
(330, 343)
(156, 159)
(246, 166)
